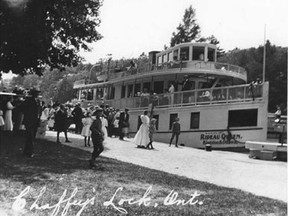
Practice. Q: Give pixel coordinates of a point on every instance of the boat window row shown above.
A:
(187, 53)
(236, 118)
(140, 94)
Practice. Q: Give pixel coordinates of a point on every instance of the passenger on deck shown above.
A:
(171, 91)
(186, 86)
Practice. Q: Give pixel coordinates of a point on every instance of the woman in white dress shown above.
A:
(104, 126)
(87, 122)
(8, 115)
(141, 138)
(43, 122)
(171, 91)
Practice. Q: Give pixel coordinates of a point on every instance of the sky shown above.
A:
(131, 27)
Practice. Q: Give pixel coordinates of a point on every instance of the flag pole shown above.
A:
(264, 56)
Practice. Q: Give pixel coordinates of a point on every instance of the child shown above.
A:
(87, 122)
(116, 127)
(152, 130)
(175, 131)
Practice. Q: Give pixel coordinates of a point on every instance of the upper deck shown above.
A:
(196, 59)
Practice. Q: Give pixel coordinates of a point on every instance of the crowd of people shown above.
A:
(27, 113)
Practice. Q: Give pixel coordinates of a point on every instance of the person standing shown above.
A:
(110, 119)
(278, 121)
(8, 115)
(186, 86)
(61, 123)
(97, 136)
(123, 124)
(171, 92)
(77, 114)
(278, 114)
(87, 122)
(152, 131)
(141, 138)
(30, 110)
(176, 128)
(104, 125)
(44, 120)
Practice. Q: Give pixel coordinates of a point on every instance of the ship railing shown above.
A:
(172, 65)
(208, 96)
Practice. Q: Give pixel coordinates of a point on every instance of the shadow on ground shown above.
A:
(49, 158)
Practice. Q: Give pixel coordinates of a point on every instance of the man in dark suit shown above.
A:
(186, 86)
(123, 123)
(97, 136)
(77, 114)
(30, 109)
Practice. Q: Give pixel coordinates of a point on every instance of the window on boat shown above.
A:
(211, 54)
(123, 91)
(164, 58)
(137, 89)
(203, 85)
(175, 55)
(147, 87)
(194, 120)
(184, 53)
(158, 87)
(170, 56)
(130, 91)
(172, 119)
(159, 60)
(198, 53)
(99, 93)
(157, 121)
(243, 118)
(90, 94)
(83, 95)
(111, 92)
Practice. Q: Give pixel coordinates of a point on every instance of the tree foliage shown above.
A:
(276, 70)
(37, 33)
(189, 31)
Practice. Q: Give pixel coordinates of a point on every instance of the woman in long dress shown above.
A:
(44, 121)
(104, 126)
(141, 138)
(8, 115)
(87, 122)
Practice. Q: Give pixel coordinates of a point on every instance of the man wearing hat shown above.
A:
(30, 109)
(186, 86)
(97, 137)
(123, 124)
(77, 114)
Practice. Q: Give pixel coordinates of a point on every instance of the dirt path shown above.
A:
(228, 169)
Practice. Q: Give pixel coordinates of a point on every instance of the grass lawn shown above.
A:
(60, 182)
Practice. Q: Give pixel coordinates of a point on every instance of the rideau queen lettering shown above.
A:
(219, 138)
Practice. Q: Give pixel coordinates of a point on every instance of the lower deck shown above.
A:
(219, 125)
(224, 117)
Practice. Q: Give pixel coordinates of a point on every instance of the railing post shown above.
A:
(244, 89)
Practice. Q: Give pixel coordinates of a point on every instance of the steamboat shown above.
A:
(219, 109)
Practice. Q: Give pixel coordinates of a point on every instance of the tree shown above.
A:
(276, 70)
(37, 33)
(187, 31)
